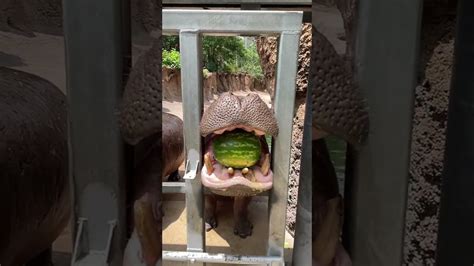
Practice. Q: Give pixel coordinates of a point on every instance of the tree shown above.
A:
(220, 54)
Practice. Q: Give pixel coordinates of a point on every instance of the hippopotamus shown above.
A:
(229, 113)
(172, 146)
(34, 183)
(159, 148)
(339, 109)
(147, 212)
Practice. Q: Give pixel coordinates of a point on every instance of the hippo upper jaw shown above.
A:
(247, 112)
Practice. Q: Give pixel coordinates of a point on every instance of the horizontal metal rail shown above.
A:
(174, 187)
(203, 257)
(180, 188)
(231, 22)
(237, 2)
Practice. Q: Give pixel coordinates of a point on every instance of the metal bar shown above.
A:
(303, 229)
(386, 60)
(174, 187)
(191, 68)
(236, 2)
(231, 22)
(456, 234)
(194, 257)
(180, 188)
(284, 111)
(96, 151)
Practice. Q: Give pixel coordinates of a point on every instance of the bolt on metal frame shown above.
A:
(286, 25)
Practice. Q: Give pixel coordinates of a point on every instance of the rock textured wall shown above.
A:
(428, 136)
(213, 84)
(267, 48)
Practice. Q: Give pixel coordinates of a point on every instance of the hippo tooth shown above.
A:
(230, 170)
(250, 176)
(266, 164)
(208, 163)
(259, 132)
(245, 170)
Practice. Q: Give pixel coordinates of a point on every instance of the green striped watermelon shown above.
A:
(237, 149)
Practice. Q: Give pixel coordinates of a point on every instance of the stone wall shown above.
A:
(213, 84)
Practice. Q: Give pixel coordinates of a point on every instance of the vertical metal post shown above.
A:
(284, 111)
(386, 61)
(303, 229)
(456, 232)
(191, 68)
(94, 56)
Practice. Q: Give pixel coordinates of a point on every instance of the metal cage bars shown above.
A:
(218, 22)
(386, 70)
(96, 45)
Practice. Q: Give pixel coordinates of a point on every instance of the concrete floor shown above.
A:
(222, 239)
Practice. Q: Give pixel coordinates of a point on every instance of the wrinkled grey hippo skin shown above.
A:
(34, 186)
(141, 124)
(339, 109)
(147, 206)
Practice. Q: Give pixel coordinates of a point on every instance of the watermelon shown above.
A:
(237, 149)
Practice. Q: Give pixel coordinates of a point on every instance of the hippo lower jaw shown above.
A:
(216, 177)
(238, 185)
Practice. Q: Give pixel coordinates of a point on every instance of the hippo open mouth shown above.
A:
(236, 114)
(244, 181)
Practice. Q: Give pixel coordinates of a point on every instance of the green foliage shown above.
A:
(206, 73)
(170, 42)
(220, 54)
(251, 63)
(171, 59)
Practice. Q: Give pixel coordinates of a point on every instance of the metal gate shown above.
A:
(286, 25)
